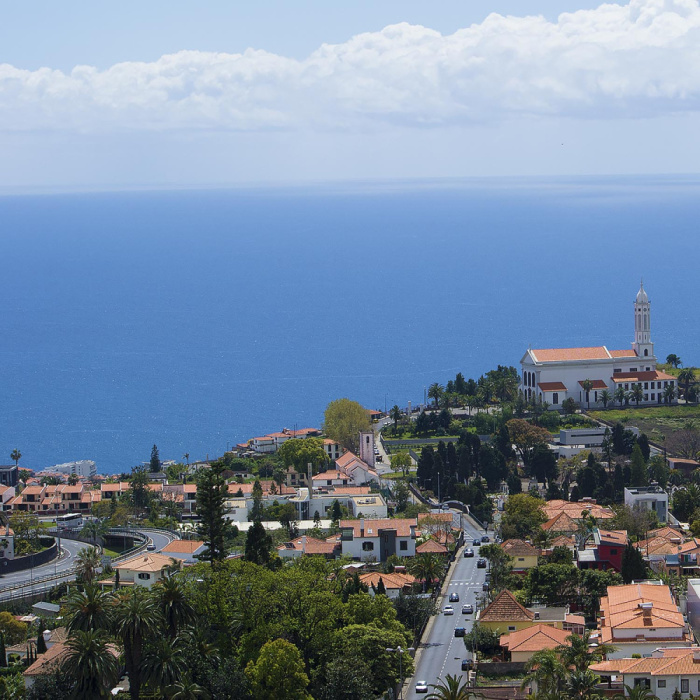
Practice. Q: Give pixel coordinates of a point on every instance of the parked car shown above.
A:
(469, 552)
(422, 687)
(481, 564)
(476, 542)
(485, 587)
(467, 664)
(467, 609)
(448, 610)
(460, 631)
(485, 538)
(454, 597)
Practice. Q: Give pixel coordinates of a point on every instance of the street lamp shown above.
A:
(400, 651)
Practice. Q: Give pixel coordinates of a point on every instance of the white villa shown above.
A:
(556, 374)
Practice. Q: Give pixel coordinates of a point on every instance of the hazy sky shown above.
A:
(179, 93)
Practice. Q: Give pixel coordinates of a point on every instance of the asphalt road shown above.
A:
(442, 653)
(160, 539)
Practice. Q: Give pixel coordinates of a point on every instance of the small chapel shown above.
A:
(553, 375)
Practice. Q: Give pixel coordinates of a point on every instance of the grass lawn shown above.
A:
(108, 551)
(655, 421)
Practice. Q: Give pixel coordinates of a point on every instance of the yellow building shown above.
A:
(506, 615)
(524, 555)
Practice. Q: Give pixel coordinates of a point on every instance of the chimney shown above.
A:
(362, 527)
(303, 544)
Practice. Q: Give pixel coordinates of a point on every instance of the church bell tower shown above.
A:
(642, 325)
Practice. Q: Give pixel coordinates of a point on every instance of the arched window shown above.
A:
(555, 398)
(646, 351)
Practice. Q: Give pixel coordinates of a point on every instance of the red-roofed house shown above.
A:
(377, 540)
(556, 374)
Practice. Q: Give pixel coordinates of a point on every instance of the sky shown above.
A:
(174, 93)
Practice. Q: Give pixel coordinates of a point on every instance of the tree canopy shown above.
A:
(344, 420)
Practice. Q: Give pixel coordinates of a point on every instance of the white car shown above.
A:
(448, 610)
(422, 687)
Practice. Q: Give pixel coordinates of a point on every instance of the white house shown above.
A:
(377, 540)
(556, 374)
(648, 498)
(143, 569)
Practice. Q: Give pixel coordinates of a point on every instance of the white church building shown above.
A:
(556, 374)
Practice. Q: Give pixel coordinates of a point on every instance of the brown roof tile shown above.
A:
(505, 608)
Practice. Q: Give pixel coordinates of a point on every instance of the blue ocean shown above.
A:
(197, 319)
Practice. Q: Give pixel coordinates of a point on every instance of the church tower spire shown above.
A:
(642, 324)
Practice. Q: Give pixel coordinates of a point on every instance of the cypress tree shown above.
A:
(633, 567)
(154, 465)
(3, 653)
(638, 470)
(381, 588)
(212, 493)
(258, 544)
(40, 641)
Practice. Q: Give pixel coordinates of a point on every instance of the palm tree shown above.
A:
(580, 652)
(186, 690)
(91, 663)
(637, 393)
(173, 604)
(546, 670)
(16, 455)
(87, 563)
(426, 567)
(673, 360)
(669, 393)
(638, 692)
(165, 663)
(587, 385)
(136, 619)
(605, 397)
(685, 377)
(395, 414)
(452, 688)
(435, 392)
(95, 529)
(582, 684)
(620, 395)
(89, 610)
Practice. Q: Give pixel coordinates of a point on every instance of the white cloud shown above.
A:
(616, 61)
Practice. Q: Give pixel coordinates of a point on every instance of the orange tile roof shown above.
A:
(442, 517)
(575, 510)
(350, 490)
(395, 581)
(570, 354)
(519, 548)
(552, 386)
(654, 375)
(561, 522)
(505, 608)
(563, 541)
(372, 527)
(431, 547)
(183, 546)
(617, 537)
(622, 353)
(596, 384)
(534, 638)
(329, 475)
(313, 546)
(33, 491)
(151, 561)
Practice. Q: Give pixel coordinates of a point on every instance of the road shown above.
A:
(442, 653)
(29, 581)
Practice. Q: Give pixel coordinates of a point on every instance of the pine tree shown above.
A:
(154, 465)
(212, 494)
(256, 512)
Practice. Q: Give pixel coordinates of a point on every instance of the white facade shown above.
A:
(648, 498)
(84, 467)
(367, 448)
(554, 375)
(377, 540)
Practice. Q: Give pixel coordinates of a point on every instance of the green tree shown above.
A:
(638, 692)
(164, 663)
(346, 679)
(343, 422)
(136, 620)
(395, 414)
(174, 604)
(95, 530)
(526, 437)
(299, 453)
(92, 663)
(89, 609)
(637, 393)
(57, 685)
(552, 584)
(15, 456)
(605, 397)
(669, 393)
(452, 688)
(12, 630)
(546, 670)
(582, 685)
(638, 467)
(214, 527)
(187, 690)
(154, 465)
(500, 565)
(673, 360)
(139, 492)
(256, 512)
(3, 652)
(633, 567)
(686, 377)
(87, 564)
(435, 392)
(401, 494)
(426, 568)
(336, 512)
(587, 386)
(486, 641)
(40, 641)
(620, 395)
(569, 406)
(522, 516)
(401, 461)
(579, 652)
(258, 544)
(278, 673)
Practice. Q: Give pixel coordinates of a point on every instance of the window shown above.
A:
(511, 628)
(403, 545)
(661, 683)
(613, 551)
(646, 397)
(699, 685)
(633, 369)
(644, 682)
(653, 397)
(615, 371)
(368, 546)
(555, 398)
(646, 385)
(145, 577)
(685, 685)
(646, 352)
(521, 558)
